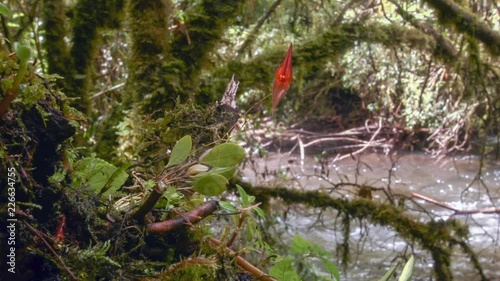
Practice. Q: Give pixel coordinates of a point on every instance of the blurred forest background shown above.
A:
(114, 85)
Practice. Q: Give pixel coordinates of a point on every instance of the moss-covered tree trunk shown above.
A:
(58, 58)
(162, 69)
(206, 27)
(150, 46)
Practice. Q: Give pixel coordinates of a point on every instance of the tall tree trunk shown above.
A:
(150, 45)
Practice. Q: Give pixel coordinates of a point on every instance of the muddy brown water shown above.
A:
(461, 182)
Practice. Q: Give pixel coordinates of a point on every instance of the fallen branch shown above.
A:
(241, 262)
(368, 144)
(457, 211)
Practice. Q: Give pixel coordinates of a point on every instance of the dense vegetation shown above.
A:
(119, 127)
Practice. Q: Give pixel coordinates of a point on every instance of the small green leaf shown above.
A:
(331, 267)
(23, 53)
(4, 10)
(210, 185)
(407, 270)
(98, 174)
(228, 206)
(224, 155)
(246, 200)
(117, 176)
(173, 196)
(389, 274)
(181, 151)
(283, 271)
(150, 184)
(260, 212)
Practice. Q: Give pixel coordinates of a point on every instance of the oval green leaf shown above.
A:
(181, 151)
(210, 185)
(227, 206)
(23, 52)
(4, 10)
(224, 155)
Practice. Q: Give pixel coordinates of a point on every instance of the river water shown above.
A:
(464, 183)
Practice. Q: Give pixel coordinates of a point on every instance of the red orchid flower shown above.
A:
(59, 237)
(282, 78)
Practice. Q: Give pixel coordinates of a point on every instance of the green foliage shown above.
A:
(4, 10)
(283, 271)
(99, 175)
(245, 199)
(97, 255)
(181, 151)
(223, 160)
(303, 254)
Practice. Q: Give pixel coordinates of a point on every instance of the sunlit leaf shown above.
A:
(407, 270)
(224, 155)
(181, 151)
(283, 271)
(210, 185)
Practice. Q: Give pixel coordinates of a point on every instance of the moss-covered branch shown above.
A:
(443, 46)
(465, 21)
(435, 237)
(314, 54)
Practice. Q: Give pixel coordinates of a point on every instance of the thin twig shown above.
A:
(117, 86)
(368, 144)
(457, 211)
(71, 275)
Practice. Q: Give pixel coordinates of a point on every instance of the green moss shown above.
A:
(149, 138)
